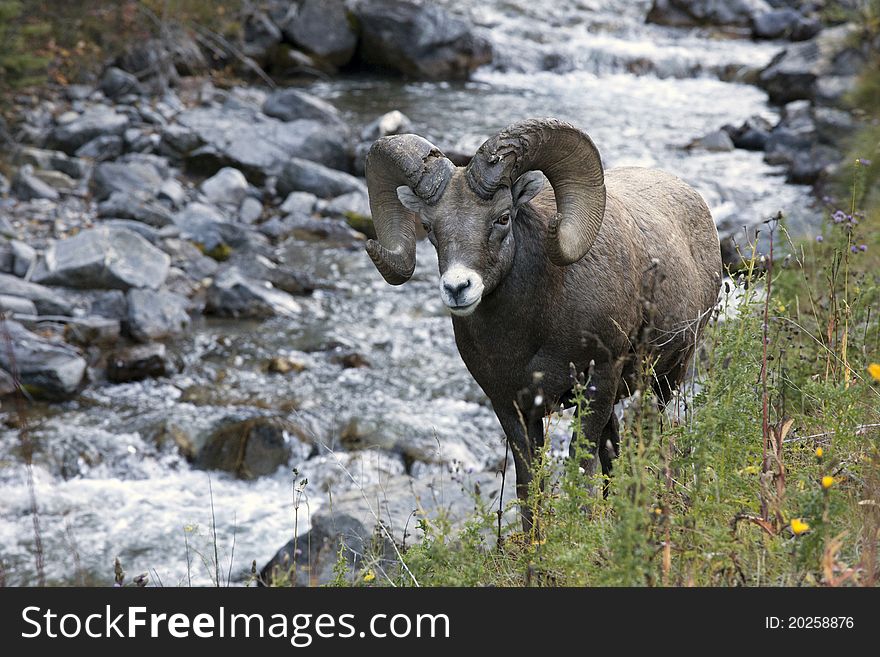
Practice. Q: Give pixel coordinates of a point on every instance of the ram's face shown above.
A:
(474, 238)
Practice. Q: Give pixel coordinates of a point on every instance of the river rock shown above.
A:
(397, 503)
(41, 158)
(47, 301)
(24, 257)
(322, 28)
(110, 304)
(250, 210)
(87, 331)
(785, 23)
(394, 122)
(26, 186)
(132, 176)
(715, 142)
(17, 305)
(95, 121)
(752, 135)
(226, 187)
(140, 362)
(420, 41)
(293, 104)
(156, 314)
(301, 175)
(232, 294)
(211, 230)
(247, 448)
(102, 149)
(279, 275)
(261, 36)
(172, 192)
(299, 202)
(7, 383)
(691, 13)
(136, 205)
(116, 83)
(46, 369)
(830, 59)
(107, 258)
(256, 144)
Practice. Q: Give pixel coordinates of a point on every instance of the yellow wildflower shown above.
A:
(874, 371)
(827, 482)
(819, 452)
(369, 576)
(798, 526)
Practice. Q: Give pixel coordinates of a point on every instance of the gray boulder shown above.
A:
(128, 177)
(102, 149)
(51, 160)
(226, 187)
(17, 305)
(24, 257)
(352, 520)
(107, 258)
(821, 69)
(232, 294)
(691, 13)
(246, 448)
(153, 315)
(136, 205)
(752, 135)
(46, 301)
(211, 138)
(46, 369)
(140, 362)
(116, 83)
(785, 23)
(86, 331)
(293, 104)
(27, 187)
(323, 29)
(261, 36)
(419, 41)
(301, 175)
(715, 142)
(95, 121)
(299, 202)
(211, 230)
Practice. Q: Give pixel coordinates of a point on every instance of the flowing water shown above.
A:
(106, 486)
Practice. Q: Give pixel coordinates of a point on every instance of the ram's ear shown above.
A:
(409, 199)
(527, 187)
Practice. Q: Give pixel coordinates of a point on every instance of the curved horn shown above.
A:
(571, 162)
(394, 161)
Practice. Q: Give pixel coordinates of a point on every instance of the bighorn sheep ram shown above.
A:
(539, 279)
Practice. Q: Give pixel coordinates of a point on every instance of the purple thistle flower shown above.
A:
(854, 248)
(863, 247)
(839, 216)
(863, 162)
(819, 238)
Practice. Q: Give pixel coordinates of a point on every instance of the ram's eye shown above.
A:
(503, 219)
(426, 226)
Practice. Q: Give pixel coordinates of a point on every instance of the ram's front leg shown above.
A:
(524, 429)
(598, 424)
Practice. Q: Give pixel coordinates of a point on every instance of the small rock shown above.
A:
(26, 186)
(752, 135)
(691, 13)
(173, 192)
(102, 149)
(284, 365)
(394, 122)
(116, 83)
(87, 331)
(350, 359)
(110, 177)
(715, 142)
(234, 295)
(51, 160)
(16, 305)
(227, 187)
(108, 303)
(299, 202)
(293, 104)
(154, 315)
(46, 369)
(139, 362)
(24, 258)
(95, 121)
(250, 210)
(305, 176)
(46, 301)
(210, 229)
(108, 258)
(247, 448)
(137, 205)
(280, 276)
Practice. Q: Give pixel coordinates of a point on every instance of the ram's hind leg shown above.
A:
(599, 423)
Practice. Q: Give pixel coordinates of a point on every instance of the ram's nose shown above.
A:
(461, 289)
(455, 289)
